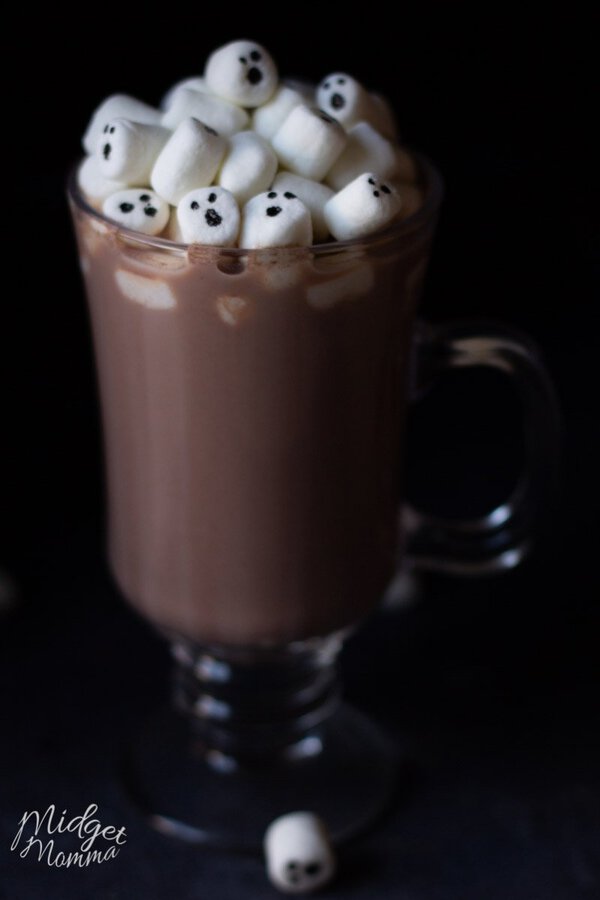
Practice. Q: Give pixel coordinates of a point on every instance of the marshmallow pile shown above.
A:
(237, 158)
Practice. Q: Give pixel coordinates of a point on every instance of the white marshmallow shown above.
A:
(249, 166)
(189, 159)
(93, 184)
(367, 150)
(149, 292)
(299, 853)
(127, 150)
(275, 219)
(195, 83)
(362, 207)
(266, 119)
(138, 209)
(313, 194)
(224, 117)
(308, 142)
(233, 310)
(344, 98)
(209, 215)
(242, 72)
(118, 106)
(306, 89)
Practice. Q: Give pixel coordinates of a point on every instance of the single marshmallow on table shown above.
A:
(362, 207)
(242, 72)
(308, 142)
(128, 150)
(118, 106)
(266, 119)
(367, 150)
(249, 166)
(224, 117)
(209, 215)
(92, 182)
(299, 854)
(138, 209)
(275, 219)
(194, 83)
(190, 159)
(313, 194)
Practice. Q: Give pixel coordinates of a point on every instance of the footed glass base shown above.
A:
(345, 770)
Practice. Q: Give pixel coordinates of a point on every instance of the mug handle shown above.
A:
(500, 539)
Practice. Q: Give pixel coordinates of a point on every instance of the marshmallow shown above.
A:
(242, 72)
(275, 219)
(308, 142)
(249, 166)
(127, 150)
(299, 853)
(150, 292)
(224, 117)
(306, 89)
(233, 310)
(362, 207)
(93, 184)
(209, 215)
(189, 159)
(195, 83)
(266, 119)
(138, 209)
(313, 194)
(367, 150)
(344, 98)
(118, 106)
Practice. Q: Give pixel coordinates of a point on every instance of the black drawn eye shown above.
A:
(290, 196)
(111, 130)
(194, 205)
(272, 194)
(212, 198)
(385, 188)
(105, 129)
(326, 86)
(144, 198)
(341, 81)
(313, 868)
(371, 180)
(255, 56)
(243, 60)
(376, 193)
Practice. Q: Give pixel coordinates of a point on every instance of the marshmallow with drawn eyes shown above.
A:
(344, 98)
(209, 215)
(313, 194)
(266, 119)
(242, 72)
(308, 142)
(249, 166)
(118, 106)
(224, 117)
(275, 219)
(126, 151)
(362, 207)
(299, 853)
(139, 209)
(189, 159)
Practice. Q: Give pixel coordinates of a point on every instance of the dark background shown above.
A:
(493, 684)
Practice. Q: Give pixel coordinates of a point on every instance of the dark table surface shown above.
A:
(490, 686)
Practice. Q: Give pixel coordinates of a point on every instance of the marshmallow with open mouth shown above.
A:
(226, 118)
(242, 72)
(344, 98)
(126, 151)
(308, 142)
(299, 853)
(249, 166)
(139, 209)
(362, 207)
(209, 215)
(275, 219)
(189, 159)
(118, 106)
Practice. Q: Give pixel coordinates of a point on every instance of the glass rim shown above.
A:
(431, 178)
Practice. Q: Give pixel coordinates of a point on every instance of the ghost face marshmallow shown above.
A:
(286, 163)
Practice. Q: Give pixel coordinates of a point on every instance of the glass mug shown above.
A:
(253, 407)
